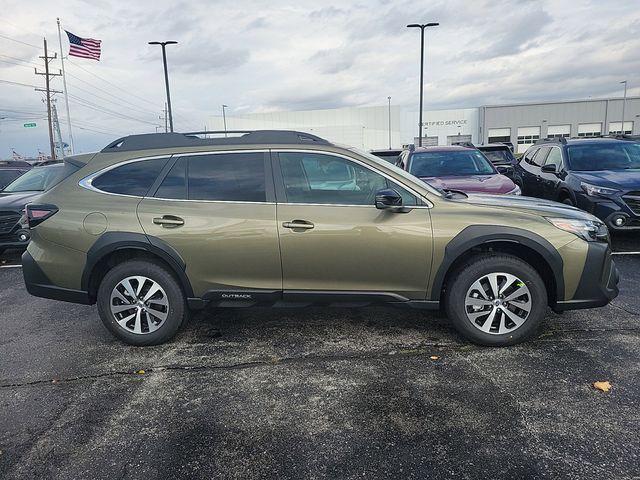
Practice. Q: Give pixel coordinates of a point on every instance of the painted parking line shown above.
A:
(625, 253)
(10, 266)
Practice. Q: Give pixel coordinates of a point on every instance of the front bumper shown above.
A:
(39, 285)
(598, 283)
(17, 239)
(607, 209)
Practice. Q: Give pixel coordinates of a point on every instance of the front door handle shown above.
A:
(302, 224)
(168, 221)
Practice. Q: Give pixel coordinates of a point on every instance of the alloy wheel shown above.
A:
(498, 303)
(139, 305)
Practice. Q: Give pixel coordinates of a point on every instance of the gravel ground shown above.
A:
(317, 393)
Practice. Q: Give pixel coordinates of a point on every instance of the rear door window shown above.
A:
(133, 178)
(230, 177)
(174, 184)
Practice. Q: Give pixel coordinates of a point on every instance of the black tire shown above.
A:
(176, 311)
(2, 251)
(477, 267)
(568, 201)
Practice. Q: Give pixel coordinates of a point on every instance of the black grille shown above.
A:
(632, 199)
(8, 220)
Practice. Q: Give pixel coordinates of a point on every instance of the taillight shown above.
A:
(36, 214)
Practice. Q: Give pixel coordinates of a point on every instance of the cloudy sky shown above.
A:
(258, 56)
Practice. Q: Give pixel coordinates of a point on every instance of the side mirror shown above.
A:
(504, 170)
(549, 168)
(388, 198)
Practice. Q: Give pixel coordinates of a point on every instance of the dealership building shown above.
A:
(521, 124)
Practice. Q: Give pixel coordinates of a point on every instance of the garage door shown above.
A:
(499, 135)
(427, 141)
(559, 131)
(527, 136)
(589, 129)
(456, 139)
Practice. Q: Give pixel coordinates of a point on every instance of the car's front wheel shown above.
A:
(496, 300)
(141, 303)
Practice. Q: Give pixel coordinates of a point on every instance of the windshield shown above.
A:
(499, 157)
(450, 163)
(40, 179)
(620, 155)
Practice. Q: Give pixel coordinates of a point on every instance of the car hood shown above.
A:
(546, 208)
(493, 184)
(16, 201)
(618, 179)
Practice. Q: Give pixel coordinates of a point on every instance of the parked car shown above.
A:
(10, 170)
(154, 225)
(598, 175)
(14, 232)
(456, 168)
(390, 155)
(501, 156)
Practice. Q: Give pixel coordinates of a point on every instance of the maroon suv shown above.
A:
(456, 168)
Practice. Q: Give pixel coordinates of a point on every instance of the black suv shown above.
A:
(599, 175)
(501, 155)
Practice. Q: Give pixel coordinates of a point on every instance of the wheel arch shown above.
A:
(528, 246)
(112, 248)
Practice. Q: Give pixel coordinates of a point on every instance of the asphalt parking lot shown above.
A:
(318, 393)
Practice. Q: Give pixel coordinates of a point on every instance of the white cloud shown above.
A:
(258, 56)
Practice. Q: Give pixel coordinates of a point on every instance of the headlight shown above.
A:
(515, 191)
(596, 191)
(589, 230)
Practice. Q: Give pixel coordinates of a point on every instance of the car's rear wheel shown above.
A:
(141, 303)
(568, 201)
(496, 300)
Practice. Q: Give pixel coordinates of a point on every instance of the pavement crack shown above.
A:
(426, 349)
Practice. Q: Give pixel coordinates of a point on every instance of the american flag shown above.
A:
(83, 47)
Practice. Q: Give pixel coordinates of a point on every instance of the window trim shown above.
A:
(86, 182)
(561, 156)
(280, 188)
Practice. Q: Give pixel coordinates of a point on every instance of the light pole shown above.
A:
(224, 118)
(624, 104)
(166, 76)
(421, 26)
(389, 98)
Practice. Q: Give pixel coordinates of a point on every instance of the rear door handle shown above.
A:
(302, 224)
(168, 221)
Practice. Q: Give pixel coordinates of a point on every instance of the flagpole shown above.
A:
(66, 96)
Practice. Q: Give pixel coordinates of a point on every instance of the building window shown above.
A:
(615, 128)
(559, 131)
(499, 135)
(590, 130)
(527, 136)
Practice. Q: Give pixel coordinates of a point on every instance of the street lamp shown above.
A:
(166, 77)
(224, 119)
(421, 27)
(624, 104)
(389, 98)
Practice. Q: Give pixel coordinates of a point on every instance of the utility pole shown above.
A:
(224, 119)
(624, 104)
(389, 98)
(164, 117)
(47, 76)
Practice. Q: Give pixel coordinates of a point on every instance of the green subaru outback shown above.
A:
(156, 225)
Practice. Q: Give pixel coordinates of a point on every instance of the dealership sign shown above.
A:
(441, 123)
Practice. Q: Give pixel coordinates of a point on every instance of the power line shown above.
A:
(20, 41)
(102, 109)
(18, 83)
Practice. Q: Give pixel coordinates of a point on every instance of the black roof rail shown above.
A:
(463, 144)
(149, 141)
(562, 140)
(624, 136)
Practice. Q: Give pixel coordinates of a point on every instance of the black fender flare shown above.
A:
(110, 242)
(476, 235)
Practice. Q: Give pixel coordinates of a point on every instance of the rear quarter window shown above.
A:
(133, 178)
